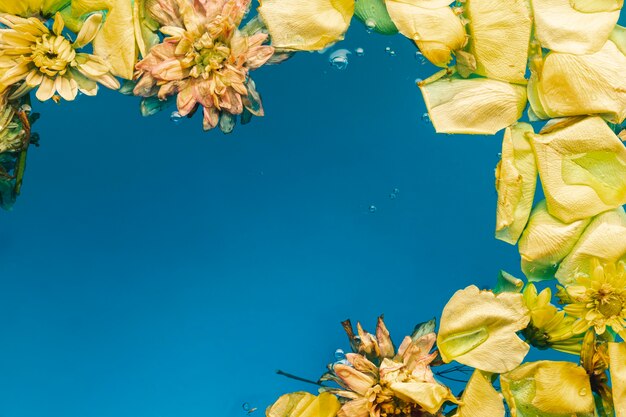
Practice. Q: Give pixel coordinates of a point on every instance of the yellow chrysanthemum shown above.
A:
(36, 56)
(599, 300)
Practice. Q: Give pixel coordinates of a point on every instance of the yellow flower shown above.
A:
(34, 56)
(205, 60)
(303, 404)
(599, 300)
(549, 327)
(390, 383)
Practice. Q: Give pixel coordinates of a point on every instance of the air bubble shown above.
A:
(372, 209)
(426, 118)
(339, 59)
(420, 58)
(340, 355)
(176, 117)
(359, 51)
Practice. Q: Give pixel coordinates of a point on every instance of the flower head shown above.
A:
(598, 300)
(378, 381)
(35, 56)
(204, 59)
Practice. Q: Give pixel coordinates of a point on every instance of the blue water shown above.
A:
(153, 270)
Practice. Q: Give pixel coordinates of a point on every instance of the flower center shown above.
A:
(52, 54)
(208, 56)
(609, 305)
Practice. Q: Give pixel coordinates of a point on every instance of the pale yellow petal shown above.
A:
(58, 25)
(557, 389)
(437, 32)
(475, 106)
(116, 41)
(516, 179)
(604, 240)
(88, 31)
(593, 6)
(571, 85)
(306, 25)
(478, 329)
(66, 87)
(303, 404)
(617, 358)
(582, 166)
(546, 241)
(429, 395)
(499, 37)
(562, 28)
(618, 37)
(480, 399)
(46, 89)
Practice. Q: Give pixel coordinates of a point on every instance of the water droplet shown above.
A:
(339, 59)
(176, 117)
(426, 118)
(340, 355)
(245, 406)
(582, 392)
(420, 58)
(370, 24)
(26, 108)
(359, 51)
(393, 196)
(418, 80)
(396, 191)
(372, 209)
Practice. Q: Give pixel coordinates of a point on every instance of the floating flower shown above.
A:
(204, 60)
(35, 56)
(598, 300)
(549, 327)
(389, 383)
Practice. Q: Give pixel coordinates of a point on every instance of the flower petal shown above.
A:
(478, 329)
(617, 358)
(303, 404)
(428, 395)
(46, 89)
(88, 31)
(562, 28)
(473, 106)
(516, 179)
(437, 32)
(582, 165)
(306, 25)
(557, 389)
(604, 240)
(480, 398)
(500, 38)
(546, 241)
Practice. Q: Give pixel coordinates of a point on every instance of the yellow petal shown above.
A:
(516, 178)
(303, 404)
(28, 8)
(437, 32)
(58, 25)
(474, 106)
(46, 89)
(617, 358)
(116, 41)
(582, 166)
(499, 37)
(557, 389)
(562, 28)
(306, 25)
(604, 240)
(480, 399)
(546, 241)
(571, 85)
(478, 329)
(430, 396)
(88, 31)
(618, 37)
(145, 28)
(593, 6)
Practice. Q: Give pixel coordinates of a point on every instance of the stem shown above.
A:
(297, 378)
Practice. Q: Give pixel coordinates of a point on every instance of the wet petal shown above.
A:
(571, 85)
(558, 389)
(562, 28)
(478, 329)
(516, 178)
(546, 241)
(604, 240)
(500, 37)
(437, 32)
(306, 25)
(429, 395)
(480, 398)
(473, 106)
(582, 165)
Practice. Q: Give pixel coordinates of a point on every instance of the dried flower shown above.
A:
(204, 60)
(34, 55)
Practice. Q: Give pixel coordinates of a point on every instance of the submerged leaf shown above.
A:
(304, 24)
(475, 106)
(562, 28)
(499, 37)
(546, 241)
(548, 388)
(572, 85)
(516, 179)
(437, 32)
(603, 240)
(478, 329)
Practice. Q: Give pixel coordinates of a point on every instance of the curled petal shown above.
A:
(88, 31)
(353, 379)
(387, 350)
(478, 329)
(475, 106)
(304, 24)
(429, 395)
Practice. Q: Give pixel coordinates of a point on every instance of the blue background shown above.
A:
(153, 270)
